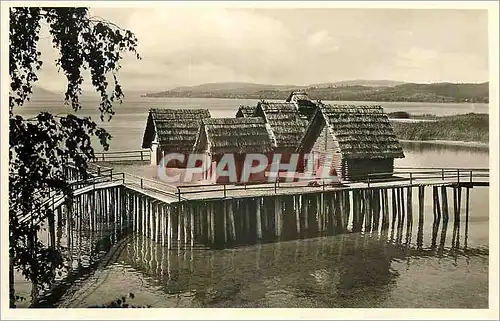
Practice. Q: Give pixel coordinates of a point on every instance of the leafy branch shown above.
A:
(41, 147)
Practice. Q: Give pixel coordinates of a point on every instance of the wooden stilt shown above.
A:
(277, 216)
(347, 208)
(231, 220)
(394, 208)
(444, 203)
(170, 227)
(340, 210)
(420, 233)
(258, 218)
(297, 200)
(185, 222)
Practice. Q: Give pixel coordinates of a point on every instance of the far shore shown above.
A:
(448, 142)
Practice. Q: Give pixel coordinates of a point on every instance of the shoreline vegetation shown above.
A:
(465, 130)
(356, 91)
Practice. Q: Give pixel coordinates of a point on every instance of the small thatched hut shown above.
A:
(245, 111)
(286, 124)
(172, 131)
(304, 105)
(361, 140)
(238, 136)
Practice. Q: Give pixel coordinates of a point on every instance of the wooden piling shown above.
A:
(347, 209)
(367, 210)
(421, 199)
(231, 220)
(296, 207)
(394, 208)
(170, 227)
(376, 209)
(385, 209)
(185, 221)
(409, 210)
(191, 225)
(305, 203)
(212, 222)
(444, 202)
(258, 218)
(457, 200)
(340, 209)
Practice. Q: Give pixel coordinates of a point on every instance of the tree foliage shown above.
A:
(41, 147)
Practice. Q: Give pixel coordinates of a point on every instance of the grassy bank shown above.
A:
(468, 128)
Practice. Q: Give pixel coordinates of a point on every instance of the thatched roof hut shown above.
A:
(361, 131)
(362, 139)
(175, 130)
(305, 106)
(245, 111)
(241, 135)
(287, 125)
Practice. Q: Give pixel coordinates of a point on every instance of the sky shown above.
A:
(183, 46)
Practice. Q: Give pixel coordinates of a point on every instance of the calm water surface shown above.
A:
(349, 270)
(127, 126)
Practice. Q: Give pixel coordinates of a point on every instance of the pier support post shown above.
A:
(231, 220)
(444, 203)
(367, 210)
(258, 218)
(394, 208)
(297, 205)
(212, 222)
(376, 209)
(409, 210)
(347, 209)
(457, 201)
(421, 199)
(191, 224)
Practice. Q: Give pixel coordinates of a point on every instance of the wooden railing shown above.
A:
(406, 175)
(121, 156)
(425, 174)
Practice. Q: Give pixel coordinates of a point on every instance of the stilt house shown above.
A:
(238, 136)
(172, 131)
(360, 140)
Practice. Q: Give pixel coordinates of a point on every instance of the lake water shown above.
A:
(127, 126)
(341, 271)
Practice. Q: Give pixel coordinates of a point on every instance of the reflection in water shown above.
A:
(345, 270)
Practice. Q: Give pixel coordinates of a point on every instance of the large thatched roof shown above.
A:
(245, 111)
(287, 125)
(177, 129)
(363, 132)
(241, 135)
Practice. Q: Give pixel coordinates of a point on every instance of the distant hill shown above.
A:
(232, 87)
(356, 90)
(360, 82)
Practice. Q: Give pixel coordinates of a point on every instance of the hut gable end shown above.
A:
(362, 132)
(176, 129)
